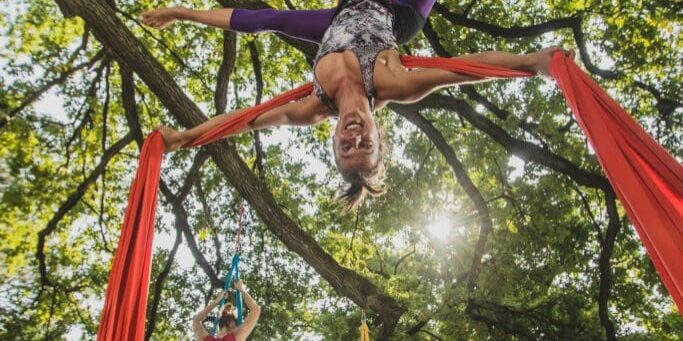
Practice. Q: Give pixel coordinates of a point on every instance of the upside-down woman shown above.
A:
(357, 71)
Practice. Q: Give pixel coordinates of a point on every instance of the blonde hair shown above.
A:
(362, 183)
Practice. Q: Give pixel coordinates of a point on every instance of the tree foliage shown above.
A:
(535, 246)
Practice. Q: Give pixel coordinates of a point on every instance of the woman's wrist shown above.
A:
(181, 13)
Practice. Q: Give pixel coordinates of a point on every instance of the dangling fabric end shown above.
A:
(364, 330)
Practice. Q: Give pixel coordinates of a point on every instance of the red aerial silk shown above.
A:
(647, 180)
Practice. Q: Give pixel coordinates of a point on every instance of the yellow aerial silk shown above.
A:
(364, 332)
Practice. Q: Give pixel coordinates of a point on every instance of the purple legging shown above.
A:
(309, 25)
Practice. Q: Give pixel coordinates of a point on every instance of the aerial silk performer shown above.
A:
(357, 71)
(228, 324)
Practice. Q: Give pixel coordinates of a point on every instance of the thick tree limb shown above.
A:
(113, 34)
(71, 201)
(258, 75)
(613, 227)
(220, 97)
(514, 321)
(129, 105)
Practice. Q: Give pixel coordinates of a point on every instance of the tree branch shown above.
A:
(613, 227)
(183, 224)
(522, 149)
(258, 75)
(486, 224)
(506, 32)
(129, 104)
(35, 95)
(220, 97)
(159, 286)
(113, 34)
(664, 105)
(71, 201)
(208, 215)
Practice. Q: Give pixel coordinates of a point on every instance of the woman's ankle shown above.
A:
(529, 62)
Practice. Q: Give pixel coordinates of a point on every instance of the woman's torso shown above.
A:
(351, 48)
(409, 16)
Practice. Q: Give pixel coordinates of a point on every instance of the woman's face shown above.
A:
(232, 323)
(356, 141)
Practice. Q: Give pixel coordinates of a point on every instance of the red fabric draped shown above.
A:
(125, 306)
(647, 180)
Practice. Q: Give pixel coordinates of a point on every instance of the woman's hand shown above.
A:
(240, 286)
(161, 18)
(221, 295)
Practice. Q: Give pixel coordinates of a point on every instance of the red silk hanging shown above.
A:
(125, 307)
(647, 180)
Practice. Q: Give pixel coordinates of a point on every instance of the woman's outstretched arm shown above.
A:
(416, 84)
(163, 17)
(308, 111)
(197, 327)
(249, 324)
(309, 25)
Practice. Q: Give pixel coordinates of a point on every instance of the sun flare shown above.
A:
(440, 228)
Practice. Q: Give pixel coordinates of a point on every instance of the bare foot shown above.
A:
(172, 138)
(541, 59)
(160, 18)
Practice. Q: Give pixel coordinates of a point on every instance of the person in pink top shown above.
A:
(228, 330)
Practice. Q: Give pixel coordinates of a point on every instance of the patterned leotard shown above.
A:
(365, 28)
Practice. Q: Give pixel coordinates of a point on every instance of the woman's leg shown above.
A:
(309, 25)
(174, 139)
(421, 6)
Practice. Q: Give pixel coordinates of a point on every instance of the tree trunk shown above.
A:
(112, 33)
